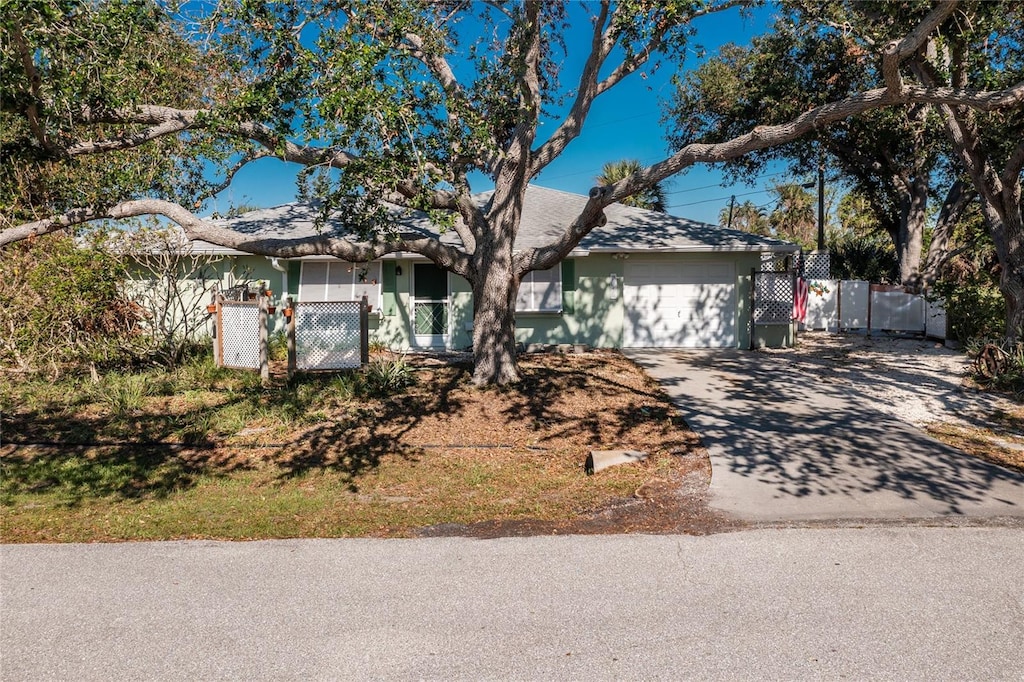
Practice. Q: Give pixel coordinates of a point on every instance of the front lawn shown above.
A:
(207, 453)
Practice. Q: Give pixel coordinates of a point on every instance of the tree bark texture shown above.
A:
(957, 199)
(494, 341)
(1011, 280)
(913, 213)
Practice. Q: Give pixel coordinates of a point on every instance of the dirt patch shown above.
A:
(225, 459)
(920, 381)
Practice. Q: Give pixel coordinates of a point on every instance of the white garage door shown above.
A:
(680, 304)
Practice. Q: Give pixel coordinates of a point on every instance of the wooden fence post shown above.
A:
(215, 302)
(264, 339)
(364, 331)
(290, 336)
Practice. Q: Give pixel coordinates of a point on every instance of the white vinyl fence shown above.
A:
(856, 304)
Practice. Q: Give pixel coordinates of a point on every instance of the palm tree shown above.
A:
(747, 217)
(794, 217)
(653, 199)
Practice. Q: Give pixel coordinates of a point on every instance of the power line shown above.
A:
(708, 201)
(723, 185)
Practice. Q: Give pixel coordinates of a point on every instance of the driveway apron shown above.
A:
(788, 447)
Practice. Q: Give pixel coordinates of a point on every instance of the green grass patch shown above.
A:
(203, 452)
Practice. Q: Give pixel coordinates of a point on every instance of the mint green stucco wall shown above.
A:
(590, 314)
(596, 316)
(593, 311)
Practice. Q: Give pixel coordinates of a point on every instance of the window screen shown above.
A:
(340, 281)
(541, 291)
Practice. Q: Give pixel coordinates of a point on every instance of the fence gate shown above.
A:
(330, 334)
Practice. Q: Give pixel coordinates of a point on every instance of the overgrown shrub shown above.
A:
(975, 308)
(170, 284)
(61, 303)
(868, 257)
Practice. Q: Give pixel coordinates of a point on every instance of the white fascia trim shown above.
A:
(746, 248)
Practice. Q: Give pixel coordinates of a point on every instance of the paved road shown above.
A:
(785, 447)
(892, 603)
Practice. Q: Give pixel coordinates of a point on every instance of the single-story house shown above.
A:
(644, 279)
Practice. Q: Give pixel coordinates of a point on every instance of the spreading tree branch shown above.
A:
(602, 43)
(169, 120)
(195, 228)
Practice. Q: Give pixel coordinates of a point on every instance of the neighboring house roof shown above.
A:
(546, 212)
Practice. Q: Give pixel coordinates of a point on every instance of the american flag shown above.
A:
(800, 300)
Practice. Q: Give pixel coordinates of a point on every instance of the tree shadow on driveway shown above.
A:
(788, 440)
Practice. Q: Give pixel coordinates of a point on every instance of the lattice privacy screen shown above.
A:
(773, 262)
(773, 298)
(240, 335)
(817, 265)
(327, 335)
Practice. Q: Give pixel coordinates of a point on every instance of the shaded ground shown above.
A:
(221, 459)
(920, 382)
(215, 456)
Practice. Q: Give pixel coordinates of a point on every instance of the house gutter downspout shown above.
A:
(284, 277)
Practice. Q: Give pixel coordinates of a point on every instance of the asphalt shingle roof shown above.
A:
(546, 212)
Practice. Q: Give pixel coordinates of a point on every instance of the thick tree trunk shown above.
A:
(494, 342)
(913, 214)
(939, 250)
(1011, 281)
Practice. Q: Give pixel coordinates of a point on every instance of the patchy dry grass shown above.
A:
(1000, 440)
(207, 453)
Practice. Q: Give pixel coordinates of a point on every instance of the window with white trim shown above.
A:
(541, 291)
(341, 281)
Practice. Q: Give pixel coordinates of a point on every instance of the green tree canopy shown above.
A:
(382, 104)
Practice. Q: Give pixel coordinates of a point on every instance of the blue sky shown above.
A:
(623, 123)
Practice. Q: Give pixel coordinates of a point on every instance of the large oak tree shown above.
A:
(380, 103)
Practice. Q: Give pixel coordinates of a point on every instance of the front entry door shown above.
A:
(430, 306)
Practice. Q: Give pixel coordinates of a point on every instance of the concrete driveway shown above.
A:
(787, 443)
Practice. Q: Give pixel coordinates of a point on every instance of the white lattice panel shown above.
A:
(240, 335)
(773, 300)
(817, 265)
(327, 335)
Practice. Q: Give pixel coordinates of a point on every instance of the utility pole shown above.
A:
(732, 202)
(821, 207)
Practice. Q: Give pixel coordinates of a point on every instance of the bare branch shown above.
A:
(959, 196)
(589, 88)
(1014, 165)
(897, 51)
(600, 46)
(230, 175)
(760, 138)
(128, 141)
(962, 133)
(515, 166)
(170, 120)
